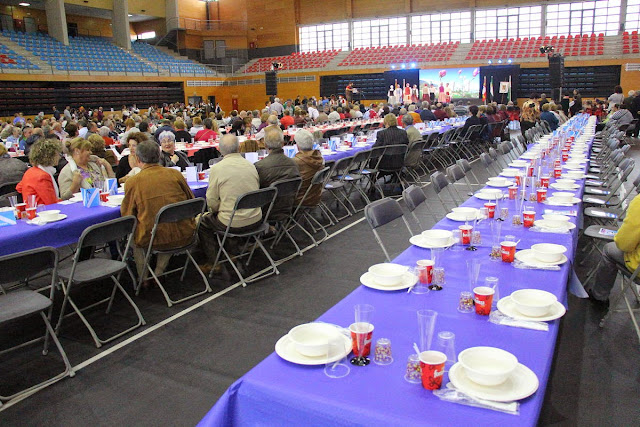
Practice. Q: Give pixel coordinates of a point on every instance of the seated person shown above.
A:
(209, 132)
(391, 135)
(230, 178)
(11, 170)
(169, 156)
(309, 162)
(128, 165)
(624, 251)
(98, 149)
(144, 195)
(84, 170)
(275, 167)
(473, 120)
(38, 179)
(548, 116)
(181, 133)
(287, 120)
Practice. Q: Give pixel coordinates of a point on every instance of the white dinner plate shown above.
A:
(570, 187)
(545, 224)
(60, 217)
(564, 175)
(555, 202)
(506, 184)
(421, 242)
(519, 165)
(510, 173)
(573, 168)
(526, 256)
(408, 280)
(485, 195)
(522, 383)
(453, 216)
(286, 349)
(530, 156)
(508, 307)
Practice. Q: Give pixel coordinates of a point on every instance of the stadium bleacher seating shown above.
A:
(630, 42)
(11, 60)
(167, 62)
(580, 45)
(82, 53)
(400, 54)
(295, 61)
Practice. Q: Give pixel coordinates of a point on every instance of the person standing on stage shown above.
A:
(415, 94)
(391, 95)
(407, 94)
(349, 92)
(398, 93)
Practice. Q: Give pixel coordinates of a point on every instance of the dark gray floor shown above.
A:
(176, 373)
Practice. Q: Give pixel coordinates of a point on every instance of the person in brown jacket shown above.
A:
(148, 192)
(309, 162)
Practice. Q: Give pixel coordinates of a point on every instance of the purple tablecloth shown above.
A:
(22, 237)
(279, 392)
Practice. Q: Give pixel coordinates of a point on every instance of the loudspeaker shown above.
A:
(556, 71)
(271, 83)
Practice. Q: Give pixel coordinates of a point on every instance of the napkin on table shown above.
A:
(524, 266)
(451, 394)
(500, 318)
(540, 229)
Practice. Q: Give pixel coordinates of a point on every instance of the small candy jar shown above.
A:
(382, 352)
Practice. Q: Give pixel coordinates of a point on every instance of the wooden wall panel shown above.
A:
(157, 25)
(192, 9)
(273, 21)
(314, 12)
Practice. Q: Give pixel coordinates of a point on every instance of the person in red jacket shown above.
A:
(287, 120)
(38, 179)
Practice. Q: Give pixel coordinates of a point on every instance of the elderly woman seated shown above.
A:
(84, 170)
(98, 149)
(38, 179)
(169, 157)
(128, 165)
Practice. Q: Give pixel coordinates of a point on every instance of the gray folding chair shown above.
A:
(455, 174)
(82, 273)
(287, 191)
(264, 199)
(172, 214)
(440, 182)
(628, 283)
(489, 164)
(414, 197)
(17, 303)
(382, 212)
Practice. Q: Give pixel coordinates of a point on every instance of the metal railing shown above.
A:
(204, 25)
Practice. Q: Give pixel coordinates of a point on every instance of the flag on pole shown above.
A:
(484, 90)
(509, 93)
(491, 89)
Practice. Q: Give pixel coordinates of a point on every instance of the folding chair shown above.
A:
(382, 212)
(392, 163)
(17, 303)
(467, 169)
(6, 190)
(456, 174)
(337, 187)
(489, 164)
(263, 198)
(440, 182)
(628, 283)
(414, 197)
(82, 273)
(287, 189)
(172, 214)
(303, 212)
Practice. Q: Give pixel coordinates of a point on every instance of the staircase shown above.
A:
(45, 68)
(149, 63)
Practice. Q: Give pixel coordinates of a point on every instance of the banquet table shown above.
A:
(278, 392)
(23, 236)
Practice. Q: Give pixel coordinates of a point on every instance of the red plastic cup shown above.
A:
(104, 196)
(491, 209)
(557, 172)
(542, 194)
(20, 210)
(508, 251)
(31, 212)
(465, 233)
(530, 171)
(556, 163)
(483, 298)
(518, 179)
(432, 368)
(527, 218)
(361, 335)
(426, 271)
(544, 182)
(201, 176)
(513, 193)
(565, 156)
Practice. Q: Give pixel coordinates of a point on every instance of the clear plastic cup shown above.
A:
(447, 344)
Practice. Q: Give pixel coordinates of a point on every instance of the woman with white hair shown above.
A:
(169, 157)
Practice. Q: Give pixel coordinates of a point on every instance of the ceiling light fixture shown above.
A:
(24, 4)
